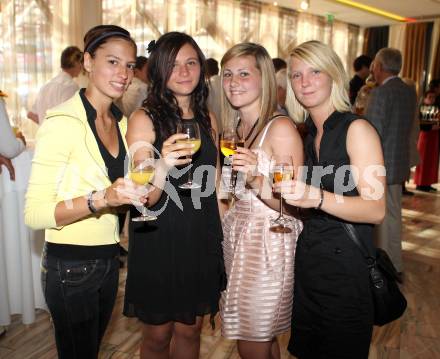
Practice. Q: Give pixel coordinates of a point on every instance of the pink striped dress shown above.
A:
(257, 303)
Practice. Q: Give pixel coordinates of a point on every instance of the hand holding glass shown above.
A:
(192, 130)
(281, 167)
(228, 145)
(141, 173)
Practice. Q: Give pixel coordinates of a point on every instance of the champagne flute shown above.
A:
(281, 167)
(141, 173)
(228, 144)
(192, 130)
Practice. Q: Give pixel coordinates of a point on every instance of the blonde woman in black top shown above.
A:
(345, 181)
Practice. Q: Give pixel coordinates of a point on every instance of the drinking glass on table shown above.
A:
(228, 144)
(141, 172)
(192, 130)
(281, 168)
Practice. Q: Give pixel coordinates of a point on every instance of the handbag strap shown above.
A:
(353, 235)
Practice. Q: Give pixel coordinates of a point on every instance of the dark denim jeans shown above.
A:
(80, 295)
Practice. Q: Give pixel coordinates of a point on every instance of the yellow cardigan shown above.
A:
(67, 164)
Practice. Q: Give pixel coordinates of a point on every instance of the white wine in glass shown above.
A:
(281, 167)
(141, 173)
(192, 130)
(228, 145)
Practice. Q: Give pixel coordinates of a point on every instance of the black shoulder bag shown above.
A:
(389, 302)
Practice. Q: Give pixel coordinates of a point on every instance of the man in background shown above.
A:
(361, 66)
(280, 67)
(138, 89)
(61, 87)
(391, 109)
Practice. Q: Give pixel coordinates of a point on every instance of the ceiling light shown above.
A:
(375, 10)
(304, 5)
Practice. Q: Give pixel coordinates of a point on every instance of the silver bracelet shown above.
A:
(92, 208)
(321, 199)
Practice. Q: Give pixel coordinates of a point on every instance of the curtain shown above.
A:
(217, 25)
(136, 15)
(425, 74)
(435, 74)
(340, 42)
(288, 22)
(85, 15)
(226, 28)
(434, 63)
(396, 38)
(311, 27)
(269, 24)
(410, 39)
(414, 63)
(352, 44)
(34, 32)
(249, 21)
(374, 39)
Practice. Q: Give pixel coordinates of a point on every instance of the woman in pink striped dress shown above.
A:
(257, 304)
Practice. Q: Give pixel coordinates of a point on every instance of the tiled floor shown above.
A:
(416, 335)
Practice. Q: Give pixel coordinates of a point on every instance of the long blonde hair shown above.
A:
(268, 83)
(325, 59)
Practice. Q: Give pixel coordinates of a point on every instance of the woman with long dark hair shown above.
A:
(175, 264)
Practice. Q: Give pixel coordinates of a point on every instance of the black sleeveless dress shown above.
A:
(332, 306)
(175, 264)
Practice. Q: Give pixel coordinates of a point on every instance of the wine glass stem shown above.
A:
(233, 181)
(281, 207)
(190, 175)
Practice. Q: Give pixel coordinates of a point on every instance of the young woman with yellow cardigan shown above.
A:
(76, 183)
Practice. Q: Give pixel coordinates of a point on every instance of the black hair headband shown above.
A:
(105, 35)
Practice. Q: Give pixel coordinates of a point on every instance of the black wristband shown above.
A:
(92, 208)
(321, 199)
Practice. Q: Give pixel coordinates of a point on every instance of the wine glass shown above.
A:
(192, 130)
(433, 113)
(16, 125)
(141, 173)
(228, 144)
(281, 168)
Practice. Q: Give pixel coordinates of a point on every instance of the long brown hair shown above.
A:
(161, 104)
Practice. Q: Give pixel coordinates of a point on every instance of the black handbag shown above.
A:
(389, 302)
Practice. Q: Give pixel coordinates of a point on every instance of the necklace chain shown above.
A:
(249, 133)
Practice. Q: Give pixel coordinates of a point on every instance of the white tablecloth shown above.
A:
(20, 248)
